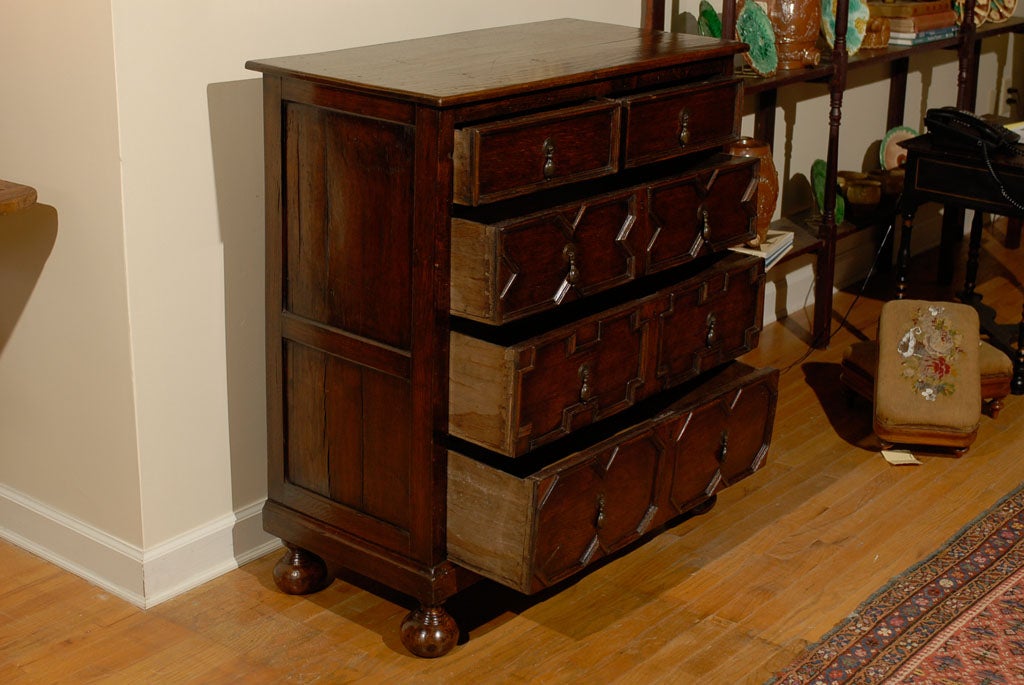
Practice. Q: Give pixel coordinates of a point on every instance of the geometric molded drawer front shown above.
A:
(513, 157)
(700, 213)
(679, 121)
(531, 531)
(702, 327)
(506, 269)
(721, 442)
(513, 398)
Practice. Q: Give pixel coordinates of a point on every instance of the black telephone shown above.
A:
(957, 127)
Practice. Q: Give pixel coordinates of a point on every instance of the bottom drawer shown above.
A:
(531, 531)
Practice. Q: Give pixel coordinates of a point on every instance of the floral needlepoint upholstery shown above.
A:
(860, 364)
(928, 385)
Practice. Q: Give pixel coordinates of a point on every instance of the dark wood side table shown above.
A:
(959, 178)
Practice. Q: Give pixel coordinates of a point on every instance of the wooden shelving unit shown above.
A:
(818, 234)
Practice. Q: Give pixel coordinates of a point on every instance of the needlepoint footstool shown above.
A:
(860, 364)
(928, 383)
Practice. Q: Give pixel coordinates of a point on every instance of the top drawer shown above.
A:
(513, 157)
(677, 121)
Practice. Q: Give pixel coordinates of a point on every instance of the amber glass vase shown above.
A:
(767, 182)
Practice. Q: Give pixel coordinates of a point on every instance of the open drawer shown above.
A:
(531, 531)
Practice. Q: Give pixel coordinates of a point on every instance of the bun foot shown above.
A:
(300, 572)
(429, 632)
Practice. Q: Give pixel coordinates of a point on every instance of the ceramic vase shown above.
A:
(767, 182)
(796, 24)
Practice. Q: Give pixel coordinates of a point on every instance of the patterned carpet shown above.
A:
(955, 618)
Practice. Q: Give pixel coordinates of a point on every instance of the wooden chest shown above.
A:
(501, 311)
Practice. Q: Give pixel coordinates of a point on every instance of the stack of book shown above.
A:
(912, 22)
(777, 244)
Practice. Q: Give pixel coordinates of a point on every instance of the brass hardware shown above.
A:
(705, 228)
(584, 374)
(549, 158)
(684, 127)
(723, 447)
(712, 334)
(599, 521)
(569, 252)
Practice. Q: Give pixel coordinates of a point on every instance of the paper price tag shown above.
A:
(899, 457)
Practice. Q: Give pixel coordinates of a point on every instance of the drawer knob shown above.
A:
(599, 521)
(711, 337)
(723, 447)
(585, 391)
(569, 252)
(549, 158)
(705, 225)
(684, 127)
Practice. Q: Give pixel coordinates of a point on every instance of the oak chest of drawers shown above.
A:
(501, 311)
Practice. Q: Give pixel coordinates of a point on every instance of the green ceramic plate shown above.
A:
(858, 15)
(708, 21)
(890, 154)
(755, 29)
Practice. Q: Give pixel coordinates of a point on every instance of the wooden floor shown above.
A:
(728, 597)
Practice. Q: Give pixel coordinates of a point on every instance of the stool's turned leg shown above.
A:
(903, 256)
(1013, 226)
(952, 234)
(300, 572)
(1017, 385)
(429, 631)
(973, 249)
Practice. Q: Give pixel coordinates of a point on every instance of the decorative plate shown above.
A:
(890, 154)
(708, 21)
(981, 11)
(1000, 10)
(755, 29)
(856, 23)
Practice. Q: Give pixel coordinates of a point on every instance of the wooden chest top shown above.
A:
(474, 66)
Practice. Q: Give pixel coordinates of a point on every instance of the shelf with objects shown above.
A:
(818, 233)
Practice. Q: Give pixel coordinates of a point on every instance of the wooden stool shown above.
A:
(860, 364)
(928, 383)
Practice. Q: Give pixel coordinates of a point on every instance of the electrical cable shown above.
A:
(849, 310)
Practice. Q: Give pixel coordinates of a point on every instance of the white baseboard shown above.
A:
(143, 577)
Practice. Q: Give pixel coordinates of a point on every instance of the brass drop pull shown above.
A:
(723, 447)
(684, 127)
(569, 252)
(705, 225)
(711, 337)
(549, 158)
(585, 391)
(599, 521)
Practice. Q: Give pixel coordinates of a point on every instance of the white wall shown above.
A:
(132, 413)
(132, 426)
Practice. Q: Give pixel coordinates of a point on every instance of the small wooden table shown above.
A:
(15, 197)
(959, 177)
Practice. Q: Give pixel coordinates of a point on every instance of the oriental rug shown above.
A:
(957, 617)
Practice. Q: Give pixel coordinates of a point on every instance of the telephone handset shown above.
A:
(957, 127)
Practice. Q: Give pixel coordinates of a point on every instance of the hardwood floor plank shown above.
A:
(724, 598)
